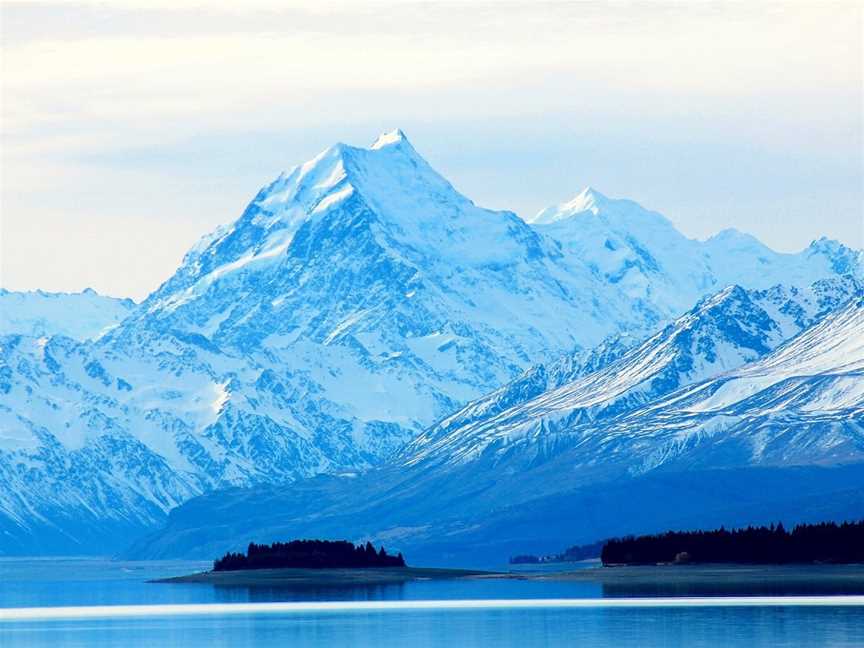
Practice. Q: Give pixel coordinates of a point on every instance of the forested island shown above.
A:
(823, 543)
(308, 554)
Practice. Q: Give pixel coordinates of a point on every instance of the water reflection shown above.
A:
(306, 592)
(804, 580)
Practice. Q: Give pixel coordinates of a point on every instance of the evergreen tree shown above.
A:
(826, 542)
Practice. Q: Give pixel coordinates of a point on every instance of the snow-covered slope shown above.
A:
(358, 299)
(800, 404)
(82, 316)
(724, 331)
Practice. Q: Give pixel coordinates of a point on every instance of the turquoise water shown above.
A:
(52, 583)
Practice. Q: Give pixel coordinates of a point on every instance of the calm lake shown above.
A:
(52, 583)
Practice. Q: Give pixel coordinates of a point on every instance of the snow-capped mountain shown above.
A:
(803, 403)
(781, 437)
(358, 299)
(82, 316)
(800, 404)
(640, 253)
(721, 333)
(391, 294)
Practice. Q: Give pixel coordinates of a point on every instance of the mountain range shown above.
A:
(361, 312)
(781, 437)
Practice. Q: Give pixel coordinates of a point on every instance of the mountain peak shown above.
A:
(730, 235)
(389, 182)
(335, 174)
(827, 246)
(390, 138)
(587, 200)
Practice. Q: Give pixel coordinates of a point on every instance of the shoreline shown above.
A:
(737, 572)
(722, 576)
(327, 576)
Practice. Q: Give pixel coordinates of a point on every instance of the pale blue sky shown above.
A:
(130, 128)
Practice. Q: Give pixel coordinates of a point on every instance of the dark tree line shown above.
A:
(827, 542)
(308, 554)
